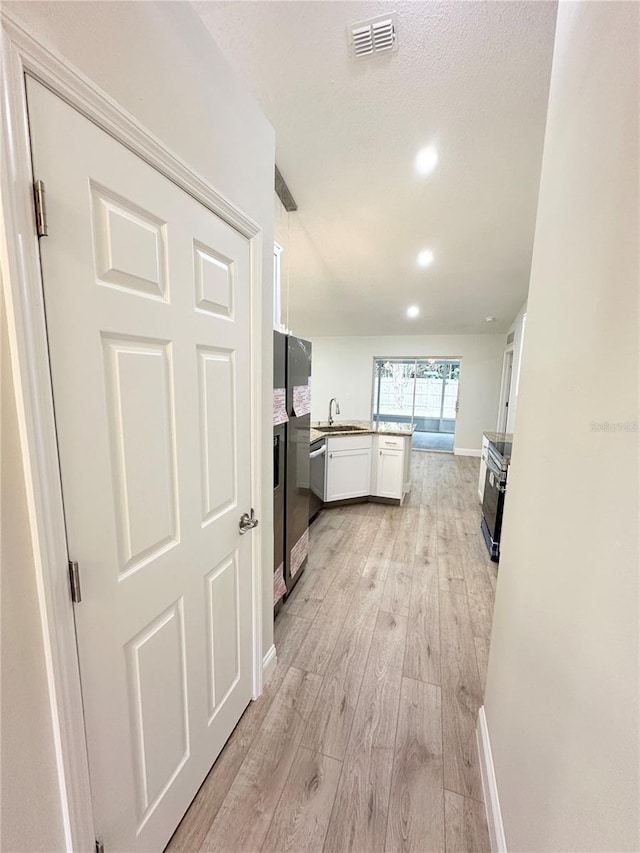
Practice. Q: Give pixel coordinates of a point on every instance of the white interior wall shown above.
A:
(158, 61)
(343, 368)
(562, 688)
(282, 236)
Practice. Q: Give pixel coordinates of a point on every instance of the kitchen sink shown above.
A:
(341, 428)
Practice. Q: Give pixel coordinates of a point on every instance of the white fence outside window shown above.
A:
(396, 397)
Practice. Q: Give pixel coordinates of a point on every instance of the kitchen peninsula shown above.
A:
(360, 460)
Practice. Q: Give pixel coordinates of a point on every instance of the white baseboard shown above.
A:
(466, 451)
(490, 787)
(269, 663)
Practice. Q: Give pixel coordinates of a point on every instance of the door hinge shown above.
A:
(74, 580)
(99, 846)
(41, 209)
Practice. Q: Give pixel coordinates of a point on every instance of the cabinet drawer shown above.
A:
(391, 441)
(349, 442)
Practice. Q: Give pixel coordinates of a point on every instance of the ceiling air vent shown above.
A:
(377, 35)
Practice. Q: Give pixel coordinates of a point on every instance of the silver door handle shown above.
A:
(247, 522)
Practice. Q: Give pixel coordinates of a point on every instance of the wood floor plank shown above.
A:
(482, 658)
(481, 613)
(465, 825)
(416, 806)
(325, 546)
(331, 719)
(302, 603)
(194, 826)
(359, 533)
(407, 535)
(289, 632)
(451, 566)
(359, 817)
(476, 832)
(243, 820)
(315, 651)
(397, 588)
(426, 539)
(317, 578)
(454, 822)
(301, 819)
(446, 522)
(461, 696)
(477, 566)
(422, 655)
(379, 557)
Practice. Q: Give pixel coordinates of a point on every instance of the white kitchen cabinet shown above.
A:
(391, 466)
(348, 473)
(389, 480)
(483, 467)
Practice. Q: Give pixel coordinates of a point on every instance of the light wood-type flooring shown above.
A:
(364, 739)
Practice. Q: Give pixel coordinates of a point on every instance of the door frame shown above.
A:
(505, 388)
(21, 279)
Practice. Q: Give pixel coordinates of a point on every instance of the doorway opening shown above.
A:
(505, 391)
(418, 391)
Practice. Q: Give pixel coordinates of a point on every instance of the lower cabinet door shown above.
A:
(348, 474)
(390, 474)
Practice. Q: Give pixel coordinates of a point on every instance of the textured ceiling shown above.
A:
(471, 79)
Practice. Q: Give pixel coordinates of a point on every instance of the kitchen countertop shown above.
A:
(366, 427)
(498, 436)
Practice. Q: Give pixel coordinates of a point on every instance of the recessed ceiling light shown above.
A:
(426, 160)
(413, 311)
(425, 258)
(489, 319)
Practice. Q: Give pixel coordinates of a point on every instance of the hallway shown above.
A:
(364, 739)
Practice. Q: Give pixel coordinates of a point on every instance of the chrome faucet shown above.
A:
(333, 400)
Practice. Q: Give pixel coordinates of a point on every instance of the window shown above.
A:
(419, 391)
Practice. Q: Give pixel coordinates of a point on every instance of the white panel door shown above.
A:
(147, 301)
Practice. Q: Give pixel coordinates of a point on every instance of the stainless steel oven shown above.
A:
(495, 488)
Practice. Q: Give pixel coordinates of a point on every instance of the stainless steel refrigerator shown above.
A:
(279, 467)
(292, 368)
(297, 462)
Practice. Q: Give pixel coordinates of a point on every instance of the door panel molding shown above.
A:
(20, 265)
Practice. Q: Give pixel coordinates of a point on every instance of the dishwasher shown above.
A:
(317, 460)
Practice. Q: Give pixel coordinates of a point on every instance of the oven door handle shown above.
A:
(317, 453)
(491, 466)
(498, 477)
(499, 487)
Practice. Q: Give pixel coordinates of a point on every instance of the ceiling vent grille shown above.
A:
(377, 35)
